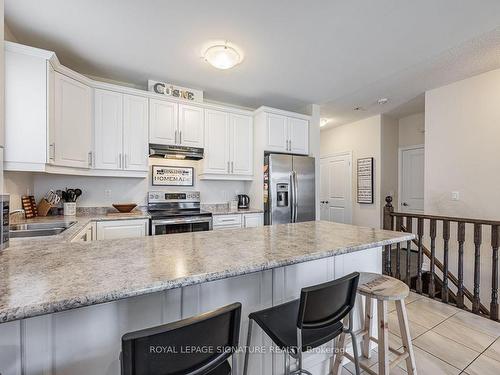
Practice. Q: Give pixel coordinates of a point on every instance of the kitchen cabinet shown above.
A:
(175, 124)
(251, 220)
(228, 146)
(286, 134)
(87, 234)
(116, 229)
(72, 146)
(120, 131)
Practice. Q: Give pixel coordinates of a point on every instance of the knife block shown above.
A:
(43, 207)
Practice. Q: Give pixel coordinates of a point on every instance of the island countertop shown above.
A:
(43, 277)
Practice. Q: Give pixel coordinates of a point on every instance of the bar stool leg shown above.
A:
(406, 338)
(367, 326)
(249, 339)
(383, 338)
(287, 362)
(354, 343)
(336, 361)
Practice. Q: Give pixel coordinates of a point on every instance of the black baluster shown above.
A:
(409, 229)
(399, 224)
(494, 273)
(461, 240)
(420, 234)
(476, 303)
(446, 238)
(432, 285)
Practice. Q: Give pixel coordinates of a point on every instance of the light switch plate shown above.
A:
(455, 196)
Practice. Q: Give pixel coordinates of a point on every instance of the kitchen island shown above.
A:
(64, 306)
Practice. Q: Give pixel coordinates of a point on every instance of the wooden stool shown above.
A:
(382, 288)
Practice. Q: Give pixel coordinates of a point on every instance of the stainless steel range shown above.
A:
(177, 212)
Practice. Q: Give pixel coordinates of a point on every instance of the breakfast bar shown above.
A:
(64, 306)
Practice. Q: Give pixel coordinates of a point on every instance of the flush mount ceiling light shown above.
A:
(382, 101)
(324, 121)
(222, 55)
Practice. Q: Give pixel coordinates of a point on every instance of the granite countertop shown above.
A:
(45, 276)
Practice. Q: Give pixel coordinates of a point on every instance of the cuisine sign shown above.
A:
(172, 176)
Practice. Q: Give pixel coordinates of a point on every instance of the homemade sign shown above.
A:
(180, 92)
(172, 176)
(365, 180)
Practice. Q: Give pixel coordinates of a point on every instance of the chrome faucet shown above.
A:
(17, 211)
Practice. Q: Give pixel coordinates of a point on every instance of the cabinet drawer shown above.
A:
(226, 220)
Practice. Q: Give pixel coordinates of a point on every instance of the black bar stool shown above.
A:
(308, 322)
(200, 345)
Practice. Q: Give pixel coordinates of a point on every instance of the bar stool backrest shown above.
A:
(328, 303)
(192, 346)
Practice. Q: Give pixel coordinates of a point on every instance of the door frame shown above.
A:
(400, 169)
(343, 153)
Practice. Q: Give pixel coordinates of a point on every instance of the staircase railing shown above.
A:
(403, 222)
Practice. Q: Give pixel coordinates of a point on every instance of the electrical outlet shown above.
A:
(455, 196)
(107, 193)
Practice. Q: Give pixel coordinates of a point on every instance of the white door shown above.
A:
(135, 133)
(111, 230)
(163, 122)
(412, 179)
(277, 133)
(241, 144)
(336, 188)
(190, 126)
(298, 135)
(216, 158)
(72, 122)
(108, 125)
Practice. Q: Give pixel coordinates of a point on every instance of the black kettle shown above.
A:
(243, 201)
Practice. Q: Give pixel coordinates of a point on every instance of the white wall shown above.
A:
(363, 138)
(412, 130)
(17, 184)
(8, 34)
(389, 161)
(314, 148)
(133, 189)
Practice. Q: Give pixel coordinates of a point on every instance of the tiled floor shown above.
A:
(446, 340)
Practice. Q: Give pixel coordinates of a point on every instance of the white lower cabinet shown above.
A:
(115, 229)
(87, 234)
(252, 220)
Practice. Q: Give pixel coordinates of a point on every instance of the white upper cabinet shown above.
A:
(277, 133)
(298, 135)
(163, 122)
(121, 131)
(286, 133)
(190, 126)
(216, 159)
(228, 146)
(108, 129)
(135, 133)
(72, 122)
(175, 124)
(241, 144)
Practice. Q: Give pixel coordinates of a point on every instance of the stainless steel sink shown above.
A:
(39, 229)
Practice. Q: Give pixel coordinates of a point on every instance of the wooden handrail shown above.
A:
(447, 218)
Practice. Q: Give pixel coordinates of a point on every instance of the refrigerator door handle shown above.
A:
(292, 194)
(295, 195)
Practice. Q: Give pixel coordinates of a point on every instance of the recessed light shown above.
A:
(382, 101)
(222, 55)
(323, 121)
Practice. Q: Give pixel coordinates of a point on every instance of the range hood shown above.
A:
(175, 152)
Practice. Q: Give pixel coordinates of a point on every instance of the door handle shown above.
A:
(404, 204)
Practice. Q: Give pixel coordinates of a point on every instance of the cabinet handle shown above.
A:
(120, 160)
(90, 158)
(180, 137)
(53, 146)
(228, 168)
(175, 137)
(125, 161)
(232, 167)
(289, 145)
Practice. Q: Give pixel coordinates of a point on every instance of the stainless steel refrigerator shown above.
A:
(289, 189)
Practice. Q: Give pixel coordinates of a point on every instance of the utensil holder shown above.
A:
(69, 208)
(44, 207)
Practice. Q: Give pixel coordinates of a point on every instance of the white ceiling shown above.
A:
(337, 53)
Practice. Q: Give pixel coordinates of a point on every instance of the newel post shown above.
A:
(388, 210)
(388, 224)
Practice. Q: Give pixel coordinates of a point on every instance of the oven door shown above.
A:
(181, 225)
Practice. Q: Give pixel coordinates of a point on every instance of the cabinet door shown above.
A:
(241, 144)
(72, 122)
(108, 129)
(111, 230)
(216, 158)
(190, 126)
(253, 220)
(135, 133)
(298, 134)
(276, 132)
(162, 122)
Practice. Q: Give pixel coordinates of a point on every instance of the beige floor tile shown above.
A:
(484, 366)
(415, 328)
(435, 307)
(477, 322)
(394, 371)
(472, 339)
(494, 350)
(427, 364)
(423, 317)
(412, 297)
(448, 350)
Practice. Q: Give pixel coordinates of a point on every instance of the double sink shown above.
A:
(39, 229)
